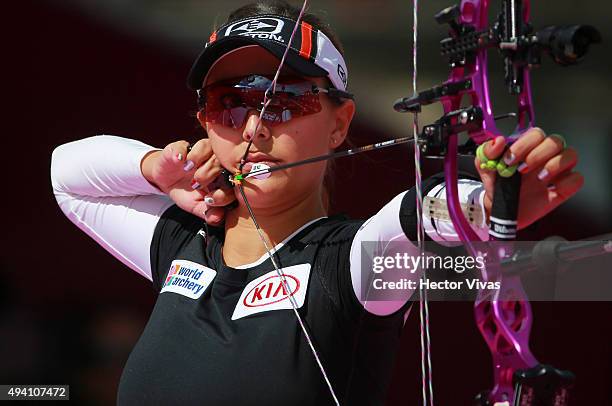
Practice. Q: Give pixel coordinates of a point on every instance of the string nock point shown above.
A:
(237, 179)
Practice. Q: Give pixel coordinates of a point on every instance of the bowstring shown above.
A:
(279, 272)
(426, 367)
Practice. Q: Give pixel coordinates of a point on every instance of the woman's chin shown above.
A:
(264, 193)
(277, 192)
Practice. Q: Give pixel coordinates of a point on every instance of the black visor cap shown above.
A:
(217, 49)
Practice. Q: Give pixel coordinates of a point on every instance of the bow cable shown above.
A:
(426, 367)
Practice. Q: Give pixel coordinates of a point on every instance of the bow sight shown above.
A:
(521, 48)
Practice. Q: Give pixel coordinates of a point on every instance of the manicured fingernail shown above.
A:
(522, 168)
(209, 200)
(195, 184)
(509, 158)
(551, 187)
(179, 156)
(188, 166)
(543, 174)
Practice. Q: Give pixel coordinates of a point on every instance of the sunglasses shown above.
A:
(229, 102)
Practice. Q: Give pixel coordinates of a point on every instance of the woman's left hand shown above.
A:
(546, 166)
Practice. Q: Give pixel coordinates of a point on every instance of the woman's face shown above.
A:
(294, 140)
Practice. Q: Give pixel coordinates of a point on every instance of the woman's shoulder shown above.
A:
(338, 227)
(176, 218)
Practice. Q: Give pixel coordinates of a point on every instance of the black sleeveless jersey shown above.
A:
(224, 336)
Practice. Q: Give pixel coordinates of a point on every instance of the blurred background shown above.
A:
(70, 313)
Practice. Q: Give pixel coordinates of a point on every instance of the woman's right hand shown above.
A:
(174, 171)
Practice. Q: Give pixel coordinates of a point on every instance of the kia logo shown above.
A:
(271, 290)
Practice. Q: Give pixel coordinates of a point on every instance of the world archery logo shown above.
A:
(260, 28)
(188, 279)
(268, 292)
(174, 269)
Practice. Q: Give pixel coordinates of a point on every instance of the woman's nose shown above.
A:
(254, 127)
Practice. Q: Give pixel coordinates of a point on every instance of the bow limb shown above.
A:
(504, 318)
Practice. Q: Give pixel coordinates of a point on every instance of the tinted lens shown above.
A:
(229, 104)
(234, 117)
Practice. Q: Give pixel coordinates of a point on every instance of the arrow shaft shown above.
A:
(334, 155)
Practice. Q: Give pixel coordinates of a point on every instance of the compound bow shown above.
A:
(504, 318)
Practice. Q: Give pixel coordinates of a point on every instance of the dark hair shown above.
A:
(284, 9)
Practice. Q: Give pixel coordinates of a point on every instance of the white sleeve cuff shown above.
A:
(440, 228)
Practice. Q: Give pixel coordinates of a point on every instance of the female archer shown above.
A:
(260, 297)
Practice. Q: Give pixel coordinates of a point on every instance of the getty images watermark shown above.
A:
(392, 271)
